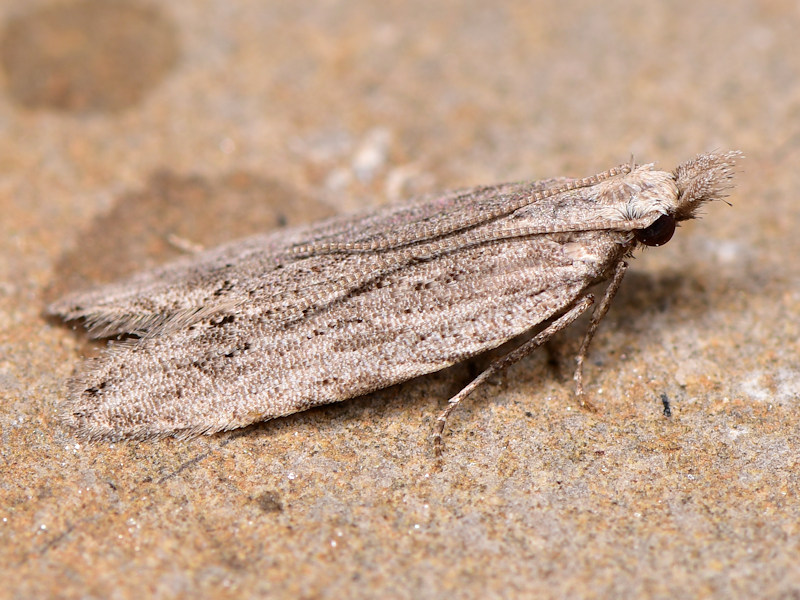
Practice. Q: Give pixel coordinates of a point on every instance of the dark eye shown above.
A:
(659, 233)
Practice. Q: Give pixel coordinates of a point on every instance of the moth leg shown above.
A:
(597, 316)
(509, 359)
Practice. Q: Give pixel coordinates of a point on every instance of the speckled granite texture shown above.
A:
(128, 126)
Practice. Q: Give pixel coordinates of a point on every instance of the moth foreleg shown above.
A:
(509, 359)
(597, 316)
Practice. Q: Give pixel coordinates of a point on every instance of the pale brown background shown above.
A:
(125, 122)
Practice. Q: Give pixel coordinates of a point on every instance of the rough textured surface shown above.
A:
(255, 115)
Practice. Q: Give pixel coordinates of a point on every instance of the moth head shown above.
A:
(704, 178)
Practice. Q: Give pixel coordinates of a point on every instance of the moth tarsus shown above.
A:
(280, 322)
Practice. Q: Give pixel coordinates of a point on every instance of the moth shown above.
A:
(280, 322)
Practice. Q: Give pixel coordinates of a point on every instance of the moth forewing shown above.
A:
(281, 322)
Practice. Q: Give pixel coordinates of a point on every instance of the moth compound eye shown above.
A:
(658, 233)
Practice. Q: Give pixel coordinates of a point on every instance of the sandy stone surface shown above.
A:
(128, 125)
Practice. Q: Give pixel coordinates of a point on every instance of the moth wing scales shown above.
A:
(186, 291)
(208, 379)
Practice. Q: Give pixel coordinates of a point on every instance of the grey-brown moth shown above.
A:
(280, 322)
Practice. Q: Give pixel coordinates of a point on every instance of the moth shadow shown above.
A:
(408, 409)
(645, 304)
(642, 296)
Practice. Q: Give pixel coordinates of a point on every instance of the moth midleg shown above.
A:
(597, 316)
(509, 359)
